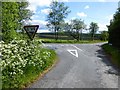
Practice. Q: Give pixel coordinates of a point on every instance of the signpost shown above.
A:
(31, 30)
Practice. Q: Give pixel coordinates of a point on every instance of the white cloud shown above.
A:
(102, 0)
(41, 23)
(67, 21)
(87, 7)
(63, 0)
(102, 27)
(110, 17)
(73, 18)
(45, 11)
(43, 31)
(34, 17)
(81, 14)
(36, 3)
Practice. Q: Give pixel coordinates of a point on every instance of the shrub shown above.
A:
(114, 53)
(20, 58)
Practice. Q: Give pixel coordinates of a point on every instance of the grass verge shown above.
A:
(114, 53)
(34, 75)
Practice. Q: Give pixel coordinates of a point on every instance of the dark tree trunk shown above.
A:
(55, 33)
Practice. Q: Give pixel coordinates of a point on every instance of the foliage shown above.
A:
(9, 21)
(23, 58)
(114, 30)
(24, 13)
(104, 35)
(58, 11)
(77, 26)
(93, 29)
(114, 53)
(14, 15)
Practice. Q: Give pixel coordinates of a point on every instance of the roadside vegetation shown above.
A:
(114, 54)
(113, 48)
(114, 30)
(23, 61)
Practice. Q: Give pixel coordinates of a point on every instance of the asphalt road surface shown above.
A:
(79, 66)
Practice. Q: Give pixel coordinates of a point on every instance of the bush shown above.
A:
(114, 53)
(23, 59)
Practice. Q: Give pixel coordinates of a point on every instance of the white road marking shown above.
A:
(62, 45)
(76, 47)
(74, 54)
(43, 44)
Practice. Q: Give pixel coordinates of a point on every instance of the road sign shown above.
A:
(31, 30)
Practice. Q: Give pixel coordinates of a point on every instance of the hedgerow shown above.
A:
(21, 58)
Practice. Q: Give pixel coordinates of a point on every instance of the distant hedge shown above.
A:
(66, 36)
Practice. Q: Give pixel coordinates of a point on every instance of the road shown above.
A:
(79, 66)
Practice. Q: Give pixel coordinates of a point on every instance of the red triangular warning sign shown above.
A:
(31, 30)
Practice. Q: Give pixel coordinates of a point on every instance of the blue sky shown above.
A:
(98, 11)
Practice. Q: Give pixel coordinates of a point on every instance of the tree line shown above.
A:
(58, 12)
(114, 30)
(15, 14)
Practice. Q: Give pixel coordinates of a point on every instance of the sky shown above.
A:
(98, 11)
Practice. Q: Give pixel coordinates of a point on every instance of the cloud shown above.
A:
(35, 17)
(73, 18)
(81, 14)
(110, 17)
(67, 21)
(63, 0)
(45, 11)
(38, 3)
(41, 23)
(101, 0)
(87, 7)
(102, 27)
(43, 31)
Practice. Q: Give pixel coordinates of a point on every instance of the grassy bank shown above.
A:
(114, 53)
(69, 41)
(23, 61)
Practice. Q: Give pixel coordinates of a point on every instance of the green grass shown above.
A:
(114, 53)
(33, 74)
(69, 41)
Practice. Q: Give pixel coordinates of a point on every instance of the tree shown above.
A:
(9, 20)
(58, 11)
(104, 35)
(14, 14)
(77, 26)
(24, 13)
(93, 29)
(114, 30)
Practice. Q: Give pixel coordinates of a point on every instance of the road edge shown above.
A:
(41, 75)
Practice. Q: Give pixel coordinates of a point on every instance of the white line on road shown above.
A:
(43, 44)
(75, 52)
(76, 47)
